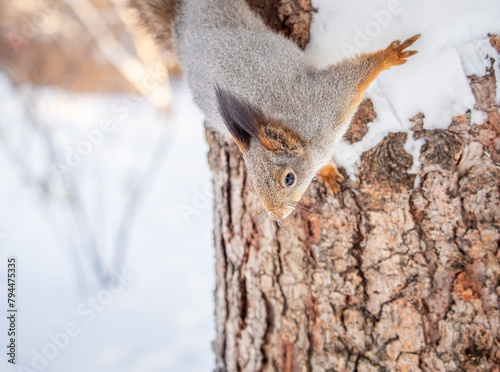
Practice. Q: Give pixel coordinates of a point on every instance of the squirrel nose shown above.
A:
(275, 216)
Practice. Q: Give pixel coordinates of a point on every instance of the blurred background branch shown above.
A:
(83, 47)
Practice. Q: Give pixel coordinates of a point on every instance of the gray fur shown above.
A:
(222, 43)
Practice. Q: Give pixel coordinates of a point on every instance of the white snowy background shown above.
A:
(143, 190)
(162, 318)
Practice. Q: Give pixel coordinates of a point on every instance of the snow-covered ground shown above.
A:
(453, 44)
(159, 319)
(66, 184)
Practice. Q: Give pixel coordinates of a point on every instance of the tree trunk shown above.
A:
(384, 277)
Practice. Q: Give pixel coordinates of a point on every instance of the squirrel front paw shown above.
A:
(330, 178)
(395, 53)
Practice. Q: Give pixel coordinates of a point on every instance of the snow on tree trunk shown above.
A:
(384, 277)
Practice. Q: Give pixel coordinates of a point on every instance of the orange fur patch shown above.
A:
(276, 137)
(384, 59)
(330, 178)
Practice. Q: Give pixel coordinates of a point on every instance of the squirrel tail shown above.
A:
(158, 17)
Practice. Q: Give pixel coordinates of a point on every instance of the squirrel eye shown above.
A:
(289, 179)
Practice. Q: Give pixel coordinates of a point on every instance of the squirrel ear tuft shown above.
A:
(245, 122)
(240, 117)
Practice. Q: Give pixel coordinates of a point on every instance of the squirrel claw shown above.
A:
(330, 178)
(396, 54)
(409, 42)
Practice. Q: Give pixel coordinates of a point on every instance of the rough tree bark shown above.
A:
(385, 277)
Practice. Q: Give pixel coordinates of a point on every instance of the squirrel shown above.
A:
(283, 111)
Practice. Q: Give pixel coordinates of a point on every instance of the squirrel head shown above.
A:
(277, 161)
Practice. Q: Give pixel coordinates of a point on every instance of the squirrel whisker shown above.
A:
(309, 210)
(285, 134)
